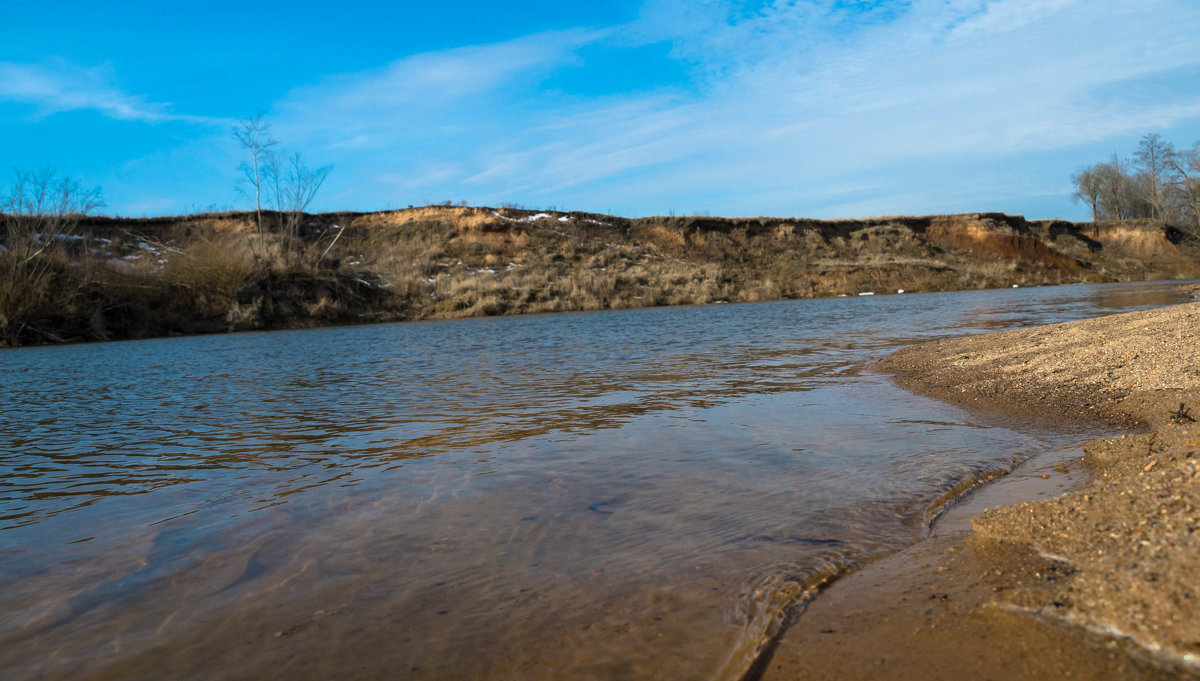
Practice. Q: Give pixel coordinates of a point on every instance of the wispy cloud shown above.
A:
(57, 87)
(439, 92)
(787, 106)
(1010, 15)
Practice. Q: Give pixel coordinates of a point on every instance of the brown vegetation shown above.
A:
(128, 278)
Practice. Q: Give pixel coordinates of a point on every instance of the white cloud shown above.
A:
(375, 107)
(790, 100)
(59, 87)
(1001, 16)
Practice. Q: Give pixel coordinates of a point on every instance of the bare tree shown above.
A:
(1186, 186)
(292, 186)
(254, 135)
(1166, 186)
(1087, 189)
(280, 180)
(1114, 192)
(302, 185)
(1153, 158)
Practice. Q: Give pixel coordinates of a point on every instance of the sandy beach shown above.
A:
(1099, 582)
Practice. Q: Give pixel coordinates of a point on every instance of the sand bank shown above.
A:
(1100, 582)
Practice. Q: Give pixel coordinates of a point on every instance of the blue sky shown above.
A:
(820, 108)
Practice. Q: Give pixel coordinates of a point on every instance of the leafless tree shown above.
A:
(292, 186)
(1166, 186)
(1087, 189)
(1186, 187)
(254, 135)
(1114, 185)
(1153, 159)
(280, 180)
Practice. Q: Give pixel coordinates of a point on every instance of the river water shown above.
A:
(636, 494)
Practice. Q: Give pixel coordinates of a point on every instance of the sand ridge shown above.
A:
(1076, 370)
(1101, 582)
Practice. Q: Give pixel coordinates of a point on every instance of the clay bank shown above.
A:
(101, 278)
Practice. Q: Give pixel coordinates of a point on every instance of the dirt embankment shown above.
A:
(115, 278)
(1100, 582)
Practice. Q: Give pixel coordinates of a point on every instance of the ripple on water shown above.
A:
(644, 493)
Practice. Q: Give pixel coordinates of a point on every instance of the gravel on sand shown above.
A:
(1055, 586)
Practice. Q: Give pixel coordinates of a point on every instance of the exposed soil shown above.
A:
(115, 278)
(1097, 583)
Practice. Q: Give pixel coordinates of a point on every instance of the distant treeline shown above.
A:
(1158, 182)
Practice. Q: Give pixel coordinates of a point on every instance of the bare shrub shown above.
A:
(214, 268)
(38, 215)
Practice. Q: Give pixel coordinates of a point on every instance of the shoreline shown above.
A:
(117, 279)
(1098, 582)
(1192, 289)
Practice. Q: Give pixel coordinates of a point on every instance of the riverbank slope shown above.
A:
(1097, 583)
(105, 278)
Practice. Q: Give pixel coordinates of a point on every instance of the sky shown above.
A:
(813, 108)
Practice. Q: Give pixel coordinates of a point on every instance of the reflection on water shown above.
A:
(611, 495)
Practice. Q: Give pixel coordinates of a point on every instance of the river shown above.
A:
(612, 495)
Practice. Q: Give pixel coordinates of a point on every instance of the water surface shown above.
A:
(608, 495)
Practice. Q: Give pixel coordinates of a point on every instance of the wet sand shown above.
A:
(1101, 582)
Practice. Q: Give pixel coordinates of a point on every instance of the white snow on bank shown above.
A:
(531, 218)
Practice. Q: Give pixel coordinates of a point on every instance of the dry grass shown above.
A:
(195, 274)
(214, 269)
(23, 291)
